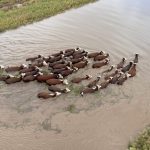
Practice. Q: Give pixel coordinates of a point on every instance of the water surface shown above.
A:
(106, 120)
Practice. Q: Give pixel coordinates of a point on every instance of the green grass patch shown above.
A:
(75, 89)
(30, 11)
(2, 72)
(71, 108)
(142, 142)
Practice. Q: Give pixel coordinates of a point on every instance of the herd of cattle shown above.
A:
(64, 63)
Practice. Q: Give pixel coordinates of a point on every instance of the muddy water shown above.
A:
(106, 120)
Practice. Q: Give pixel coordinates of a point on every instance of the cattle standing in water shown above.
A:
(81, 64)
(100, 64)
(80, 55)
(15, 68)
(76, 60)
(39, 64)
(79, 79)
(46, 95)
(127, 67)
(59, 66)
(29, 69)
(105, 83)
(89, 90)
(67, 72)
(45, 77)
(121, 64)
(94, 54)
(57, 62)
(57, 54)
(58, 71)
(54, 59)
(132, 71)
(108, 70)
(70, 50)
(29, 78)
(68, 54)
(12, 79)
(53, 88)
(115, 78)
(122, 79)
(136, 59)
(112, 74)
(94, 83)
(33, 58)
(56, 81)
(101, 57)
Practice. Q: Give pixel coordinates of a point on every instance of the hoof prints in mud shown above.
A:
(55, 69)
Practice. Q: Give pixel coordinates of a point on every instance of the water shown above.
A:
(106, 120)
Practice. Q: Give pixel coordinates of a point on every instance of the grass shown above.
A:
(75, 89)
(142, 142)
(2, 72)
(71, 108)
(30, 11)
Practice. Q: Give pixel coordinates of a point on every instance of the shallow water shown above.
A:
(106, 120)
